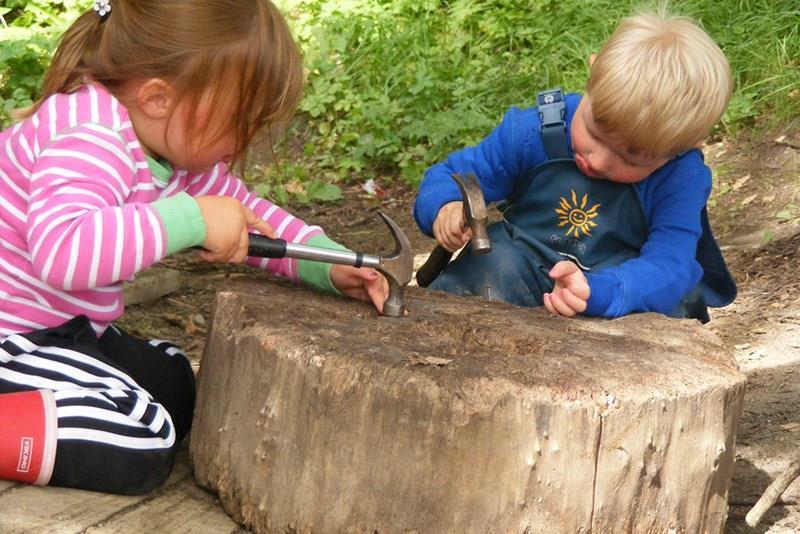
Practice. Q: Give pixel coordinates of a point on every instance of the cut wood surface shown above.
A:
(179, 506)
(466, 416)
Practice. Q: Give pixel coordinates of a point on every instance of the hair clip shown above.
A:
(102, 8)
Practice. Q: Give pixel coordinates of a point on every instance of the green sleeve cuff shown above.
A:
(182, 220)
(315, 273)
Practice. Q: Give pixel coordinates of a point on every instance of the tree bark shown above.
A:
(315, 415)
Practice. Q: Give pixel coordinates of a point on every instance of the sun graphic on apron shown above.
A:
(576, 215)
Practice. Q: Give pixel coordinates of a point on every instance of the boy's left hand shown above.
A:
(363, 284)
(571, 290)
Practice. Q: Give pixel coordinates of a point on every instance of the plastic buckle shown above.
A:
(552, 108)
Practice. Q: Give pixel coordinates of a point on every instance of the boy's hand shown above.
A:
(227, 224)
(449, 229)
(363, 284)
(571, 290)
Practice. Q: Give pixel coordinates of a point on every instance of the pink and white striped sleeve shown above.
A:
(81, 234)
(220, 181)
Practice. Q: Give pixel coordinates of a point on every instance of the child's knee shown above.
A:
(98, 467)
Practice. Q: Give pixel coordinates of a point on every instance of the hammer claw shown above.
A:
(397, 267)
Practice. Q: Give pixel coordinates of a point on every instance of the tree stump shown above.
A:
(315, 415)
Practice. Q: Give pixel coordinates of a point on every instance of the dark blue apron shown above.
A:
(559, 213)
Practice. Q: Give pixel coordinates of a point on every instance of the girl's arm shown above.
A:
(81, 234)
(220, 181)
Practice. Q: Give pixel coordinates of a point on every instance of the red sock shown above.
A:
(28, 432)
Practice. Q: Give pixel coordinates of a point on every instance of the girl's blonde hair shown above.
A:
(231, 51)
(659, 84)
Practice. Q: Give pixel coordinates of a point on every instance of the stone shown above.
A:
(316, 415)
(151, 285)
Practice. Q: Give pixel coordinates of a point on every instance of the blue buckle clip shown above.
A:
(552, 108)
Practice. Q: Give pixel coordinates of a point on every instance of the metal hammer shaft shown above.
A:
(397, 267)
(266, 247)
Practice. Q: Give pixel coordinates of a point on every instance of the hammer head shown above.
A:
(475, 214)
(397, 267)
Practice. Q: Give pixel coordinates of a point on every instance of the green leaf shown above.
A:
(262, 190)
(323, 192)
(280, 196)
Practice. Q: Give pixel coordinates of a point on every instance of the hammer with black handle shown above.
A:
(397, 267)
(475, 216)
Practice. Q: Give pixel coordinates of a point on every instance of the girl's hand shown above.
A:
(363, 284)
(571, 290)
(448, 228)
(228, 222)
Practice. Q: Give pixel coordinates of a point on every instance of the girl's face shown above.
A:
(600, 156)
(164, 128)
(200, 149)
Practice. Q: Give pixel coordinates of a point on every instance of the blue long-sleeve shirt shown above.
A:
(672, 197)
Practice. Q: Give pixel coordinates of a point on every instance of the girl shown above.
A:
(125, 160)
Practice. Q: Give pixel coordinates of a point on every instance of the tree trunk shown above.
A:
(315, 415)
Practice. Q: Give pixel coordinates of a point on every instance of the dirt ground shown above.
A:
(756, 215)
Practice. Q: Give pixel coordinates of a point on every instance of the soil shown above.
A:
(755, 211)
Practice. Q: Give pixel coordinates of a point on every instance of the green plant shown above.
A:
(287, 182)
(398, 85)
(29, 34)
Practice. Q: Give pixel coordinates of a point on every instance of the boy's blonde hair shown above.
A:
(659, 84)
(231, 51)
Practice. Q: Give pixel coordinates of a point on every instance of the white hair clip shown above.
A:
(102, 8)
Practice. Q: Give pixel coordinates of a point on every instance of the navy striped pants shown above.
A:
(122, 404)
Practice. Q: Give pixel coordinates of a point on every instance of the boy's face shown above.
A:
(600, 156)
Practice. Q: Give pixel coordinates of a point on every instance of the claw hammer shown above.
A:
(475, 216)
(397, 267)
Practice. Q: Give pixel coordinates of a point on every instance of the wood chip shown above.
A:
(416, 359)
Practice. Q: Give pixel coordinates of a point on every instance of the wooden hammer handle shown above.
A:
(435, 263)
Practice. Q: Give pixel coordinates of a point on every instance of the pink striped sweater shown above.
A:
(78, 217)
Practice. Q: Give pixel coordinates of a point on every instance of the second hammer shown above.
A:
(475, 216)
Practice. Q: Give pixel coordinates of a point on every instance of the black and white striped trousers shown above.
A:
(122, 404)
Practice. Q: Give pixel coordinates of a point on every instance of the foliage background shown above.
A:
(394, 85)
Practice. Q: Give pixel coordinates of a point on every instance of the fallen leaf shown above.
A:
(416, 359)
(190, 327)
(295, 187)
(749, 199)
(740, 182)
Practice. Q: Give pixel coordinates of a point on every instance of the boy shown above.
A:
(606, 193)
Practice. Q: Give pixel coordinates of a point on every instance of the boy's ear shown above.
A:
(154, 98)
